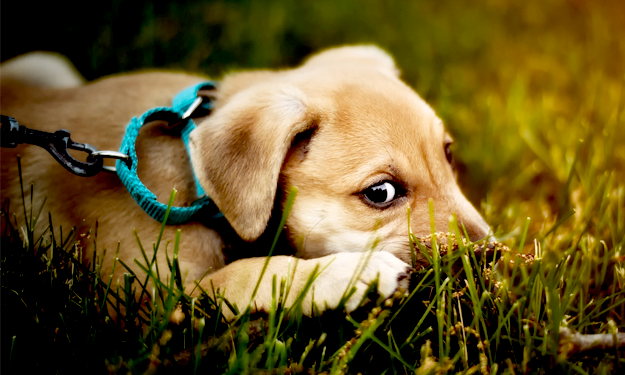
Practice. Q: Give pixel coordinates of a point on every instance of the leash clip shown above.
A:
(58, 144)
(10, 132)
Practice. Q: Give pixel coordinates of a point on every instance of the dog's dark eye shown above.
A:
(382, 194)
(448, 154)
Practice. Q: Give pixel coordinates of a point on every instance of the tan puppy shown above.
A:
(360, 145)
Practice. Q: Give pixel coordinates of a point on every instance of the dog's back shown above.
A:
(41, 69)
(43, 91)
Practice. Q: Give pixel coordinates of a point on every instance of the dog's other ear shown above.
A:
(357, 55)
(237, 153)
(239, 81)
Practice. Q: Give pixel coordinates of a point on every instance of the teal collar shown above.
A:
(183, 106)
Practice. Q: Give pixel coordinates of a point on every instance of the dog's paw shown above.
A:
(344, 271)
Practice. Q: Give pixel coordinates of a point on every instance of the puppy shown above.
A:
(360, 146)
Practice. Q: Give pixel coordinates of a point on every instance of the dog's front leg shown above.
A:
(325, 281)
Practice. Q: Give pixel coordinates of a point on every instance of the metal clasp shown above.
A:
(57, 144)
(110, 155)
(201, 106)
(196, 103)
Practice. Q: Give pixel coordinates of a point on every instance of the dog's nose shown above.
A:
(470, 218)
(477, 229)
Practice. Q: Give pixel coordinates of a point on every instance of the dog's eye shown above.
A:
(448, 154)
(382, 194)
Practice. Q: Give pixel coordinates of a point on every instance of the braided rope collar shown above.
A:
(127, 172)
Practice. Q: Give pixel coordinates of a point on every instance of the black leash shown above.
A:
(57, 144)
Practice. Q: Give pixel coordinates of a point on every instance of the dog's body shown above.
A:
(360, 146)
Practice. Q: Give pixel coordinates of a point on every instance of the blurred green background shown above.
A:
(518, 83)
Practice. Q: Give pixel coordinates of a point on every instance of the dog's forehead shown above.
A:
(389, 103)
(372, 130)
(388, 113)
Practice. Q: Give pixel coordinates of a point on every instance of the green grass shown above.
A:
(459, 315)
(532, 92)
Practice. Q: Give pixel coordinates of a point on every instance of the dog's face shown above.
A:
(361, 147)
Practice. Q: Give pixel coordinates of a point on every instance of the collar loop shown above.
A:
(127, 172)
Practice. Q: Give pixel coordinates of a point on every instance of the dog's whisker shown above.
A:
(309, 232)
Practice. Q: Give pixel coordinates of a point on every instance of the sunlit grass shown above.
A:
(475, 308)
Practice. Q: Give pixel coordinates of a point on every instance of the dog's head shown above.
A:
(360, 145)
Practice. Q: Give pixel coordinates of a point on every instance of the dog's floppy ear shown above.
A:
(369, 55)
(237, 153)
